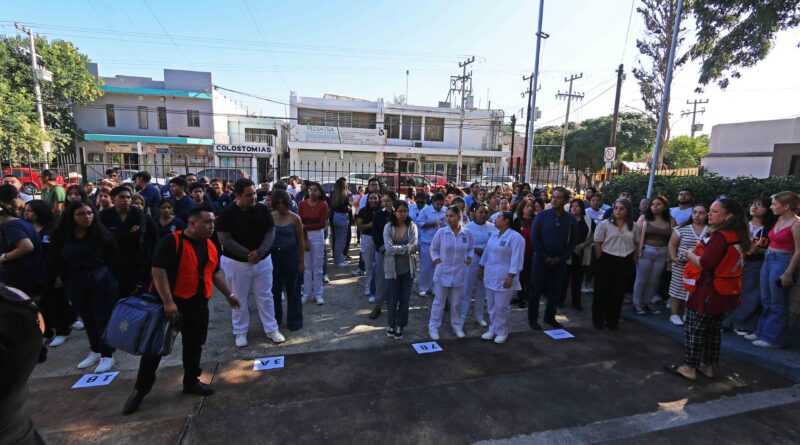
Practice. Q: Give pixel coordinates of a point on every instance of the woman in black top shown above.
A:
(166, 221)
(340, 221)
(86, 254)
(579, 262)
(128, 225)
(58, 314)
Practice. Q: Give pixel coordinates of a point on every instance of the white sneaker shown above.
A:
(241, 340)
(433, 334)
(459, 333)
(501, 338)
(371, 299)
(276, 336)
(482, 323)
(58, 340)
(105, 365)
(320, 301)
(488, 335)
(422, 293)
(90, 360)
(751, 337)
(78, 325)
(305, 299)
(676, 320)
(325, 279)
(358, 273)
(342, 264)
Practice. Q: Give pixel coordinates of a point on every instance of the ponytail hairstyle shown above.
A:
(737, 223)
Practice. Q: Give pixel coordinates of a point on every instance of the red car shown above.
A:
(29, 177)
(436, 180)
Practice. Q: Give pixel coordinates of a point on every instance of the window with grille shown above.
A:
(258, 135)
(412, 128)
(434, 129)
(306, 116)
(162, 118)
(142, 113)
(391, 123)
(111, 118)
(192, 118)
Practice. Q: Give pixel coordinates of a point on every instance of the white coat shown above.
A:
(452, 250)
(504, 254)
(480, 236)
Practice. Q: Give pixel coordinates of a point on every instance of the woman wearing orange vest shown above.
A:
(185, 271)
(713, 277)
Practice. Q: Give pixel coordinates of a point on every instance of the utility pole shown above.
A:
(513, 132)
(464, 77)
(613, 141)
(527, 121)
(569, 96)
(406, 87)
(662, 116)
(529, 134)
(694, 112)
(37, 90)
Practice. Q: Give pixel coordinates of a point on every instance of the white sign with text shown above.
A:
(558, 334)
(263, 364)
(92, 380)
(427, 348)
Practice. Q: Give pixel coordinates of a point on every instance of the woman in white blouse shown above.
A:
(451, 249)
(615, 247)
(481, 230)
(500, 266)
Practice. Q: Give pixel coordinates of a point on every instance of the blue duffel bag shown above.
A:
(138, 326)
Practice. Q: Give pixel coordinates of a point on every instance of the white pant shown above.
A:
(312, 277)
(245, 279)
(499, 310)
(437, 309)
(426, 268)
(368, 255)
(473, 288)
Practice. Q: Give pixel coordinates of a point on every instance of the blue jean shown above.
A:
(774, 319)
(341, 224)
(745, 317)
(549, 278)
(398, 292)
(380, 279)
(285, 264)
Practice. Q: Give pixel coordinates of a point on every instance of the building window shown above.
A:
(142, 112)
(391, 123)
(111, 119)
(259, 135)
(338, 119)
(310, 117)
(412, 128)
(162, 118)
(434, 129)
(364, 120)
(193, 118)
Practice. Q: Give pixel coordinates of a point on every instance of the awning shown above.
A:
(163, 140)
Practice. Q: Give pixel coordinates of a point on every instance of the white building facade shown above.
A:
(335, 131)
(758, 149)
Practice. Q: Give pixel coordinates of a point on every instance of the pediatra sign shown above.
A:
(338, 135)
(258, 150)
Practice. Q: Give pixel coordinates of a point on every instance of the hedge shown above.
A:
(704, 188)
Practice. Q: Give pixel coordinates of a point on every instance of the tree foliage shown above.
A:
(732, 34)
(654, 47)
(686, 151)
(587, 139)
(20, 137)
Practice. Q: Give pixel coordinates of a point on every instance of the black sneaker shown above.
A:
(554, 324)
(651, 310)
(198, 388)
(398, 334)
(376, 312)
(390, 332)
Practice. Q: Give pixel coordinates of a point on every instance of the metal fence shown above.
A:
(73, 169)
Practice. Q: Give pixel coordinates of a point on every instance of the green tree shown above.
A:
(686, 151)
(738, 33)
(659, 21)
(72, 84)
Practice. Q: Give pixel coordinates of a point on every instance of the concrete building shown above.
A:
(180, 123)
(759, 149)
(372, 135)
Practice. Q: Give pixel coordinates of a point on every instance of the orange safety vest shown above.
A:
(727, 276)
(186, 277)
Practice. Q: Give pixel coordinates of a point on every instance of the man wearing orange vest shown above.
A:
(185, 270)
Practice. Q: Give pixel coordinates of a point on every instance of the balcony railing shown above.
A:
(268, 139)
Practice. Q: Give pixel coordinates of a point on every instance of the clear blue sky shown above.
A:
(363, 49)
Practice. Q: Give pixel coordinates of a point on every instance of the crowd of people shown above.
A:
(477, 250)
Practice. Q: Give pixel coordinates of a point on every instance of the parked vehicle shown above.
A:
(436, 180)
(126, 176)
(400, 183)
(30, 179)
(229, 174)
(491, 181)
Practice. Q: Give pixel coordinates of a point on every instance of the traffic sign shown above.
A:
(610, 154)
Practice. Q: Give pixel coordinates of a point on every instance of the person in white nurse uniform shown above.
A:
(481, 230)
(500, 266)
(451, 249)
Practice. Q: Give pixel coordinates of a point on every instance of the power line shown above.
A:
(627, 33)
(246, 7)
(582, 105)
(164, 28)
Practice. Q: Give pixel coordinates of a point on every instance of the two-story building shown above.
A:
(336, 132)
(250, 143)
